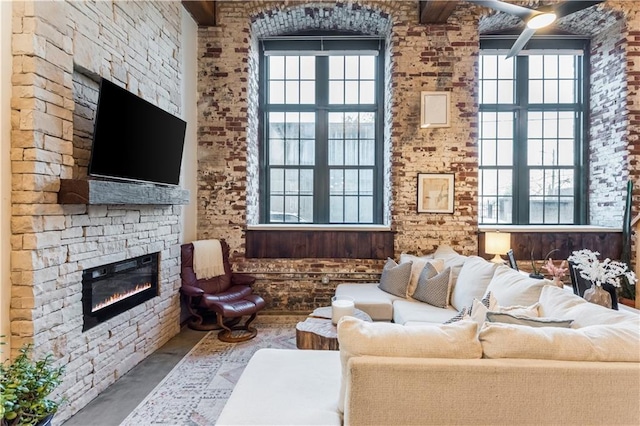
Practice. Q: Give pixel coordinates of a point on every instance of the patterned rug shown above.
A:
(198, 387)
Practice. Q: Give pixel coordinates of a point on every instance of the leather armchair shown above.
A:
(219, 302)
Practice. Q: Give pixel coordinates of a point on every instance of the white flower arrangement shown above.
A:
(600, 272)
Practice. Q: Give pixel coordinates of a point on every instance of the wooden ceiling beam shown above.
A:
(203, 12)
(436, 11)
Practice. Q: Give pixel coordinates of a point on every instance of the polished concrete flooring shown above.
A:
(113, 405)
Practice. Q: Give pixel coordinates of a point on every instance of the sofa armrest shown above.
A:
(386, 390)
(191, 291)
(242, 279)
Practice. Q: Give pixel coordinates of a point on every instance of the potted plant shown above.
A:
(25, 385)
(535, 271)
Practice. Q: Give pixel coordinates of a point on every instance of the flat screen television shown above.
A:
(134, 139)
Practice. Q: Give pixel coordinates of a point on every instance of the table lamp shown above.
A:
(497, 243)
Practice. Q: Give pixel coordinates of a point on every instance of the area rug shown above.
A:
(197, 388)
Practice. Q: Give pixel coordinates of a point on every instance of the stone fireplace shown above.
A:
(62, 252)
(112, 289)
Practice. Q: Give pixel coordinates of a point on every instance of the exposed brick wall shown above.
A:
(437, 57)
(615, 119)
(56, 47)
(433, 57)
(608, 126)
(633, 105)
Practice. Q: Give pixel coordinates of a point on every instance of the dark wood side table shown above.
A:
(317, 331)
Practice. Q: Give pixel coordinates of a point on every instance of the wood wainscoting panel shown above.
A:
(609, 244)
(326, 244)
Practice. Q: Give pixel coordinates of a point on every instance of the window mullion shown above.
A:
(321, 169)
(521, 167)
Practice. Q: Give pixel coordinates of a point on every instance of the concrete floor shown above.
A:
(113, 405)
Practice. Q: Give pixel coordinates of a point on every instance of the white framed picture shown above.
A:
(435, 109)
(435, 192)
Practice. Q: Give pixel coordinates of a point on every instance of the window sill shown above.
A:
(312, 227)
(547, 228)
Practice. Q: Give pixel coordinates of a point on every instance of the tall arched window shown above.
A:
(532, 135)
(321, 129)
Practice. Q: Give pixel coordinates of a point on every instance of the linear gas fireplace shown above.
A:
(112, 289)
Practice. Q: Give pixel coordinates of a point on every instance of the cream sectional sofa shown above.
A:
(470, 278)
(467, 372)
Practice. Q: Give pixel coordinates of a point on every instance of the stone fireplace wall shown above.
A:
(59, 51)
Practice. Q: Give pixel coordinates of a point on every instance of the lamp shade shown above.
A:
(497, 242)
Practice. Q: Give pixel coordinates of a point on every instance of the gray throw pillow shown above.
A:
(433, 288)
(505, 318)
(395, 278)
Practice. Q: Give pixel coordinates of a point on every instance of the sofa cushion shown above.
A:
(417, 265)
(359, 338)
(472, 282)
(511, 288)
(592, 343)
(558, 303)
(395, 278)
(452, 259)
(412, 310)
(314, 377)
(433, 287)
(505, 318)
(479, 310)
(370, 299)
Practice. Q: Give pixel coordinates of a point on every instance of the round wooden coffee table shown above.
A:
(317, 331)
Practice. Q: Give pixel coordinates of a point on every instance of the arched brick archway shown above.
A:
(339, 17)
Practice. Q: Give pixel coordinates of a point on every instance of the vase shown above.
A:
(598, 295)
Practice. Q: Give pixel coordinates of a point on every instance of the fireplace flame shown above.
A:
(120, 296)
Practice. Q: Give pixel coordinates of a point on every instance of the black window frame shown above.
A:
(298, 44)
(521, 191)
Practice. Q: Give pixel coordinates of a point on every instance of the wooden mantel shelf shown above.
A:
(94, 191)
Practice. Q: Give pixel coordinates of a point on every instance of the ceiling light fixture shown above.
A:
(540, 21)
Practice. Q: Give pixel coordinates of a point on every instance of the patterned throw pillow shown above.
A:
(466, 310)
(433, 288)
(459, 316)
(486, 300)
(395, 278)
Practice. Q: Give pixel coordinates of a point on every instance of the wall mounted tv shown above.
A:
(134, 139)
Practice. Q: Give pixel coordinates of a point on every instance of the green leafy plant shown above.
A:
(25, 385)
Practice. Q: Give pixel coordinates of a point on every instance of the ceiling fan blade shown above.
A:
(521, 12)
(571, 6)
(524, 37)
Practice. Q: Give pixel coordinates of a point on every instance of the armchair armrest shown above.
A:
(242, 279)
(192, 291)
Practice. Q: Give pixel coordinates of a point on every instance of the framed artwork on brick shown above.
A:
(435, 192)
(434, 109)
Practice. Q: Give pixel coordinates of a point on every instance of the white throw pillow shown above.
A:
(472, 282)
(511, 287)
(417, 265)
(593, 343)
(358, 338)
(452, 259)
(479, 311)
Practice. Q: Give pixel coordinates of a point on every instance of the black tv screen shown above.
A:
(134, 139)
